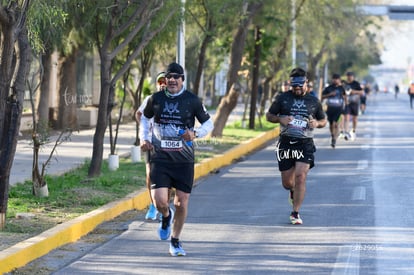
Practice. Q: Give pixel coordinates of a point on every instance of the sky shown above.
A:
(397, 38)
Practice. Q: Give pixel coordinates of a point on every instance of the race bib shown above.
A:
(171, 144)
(334, 102)
(298, 123)
(354, 98)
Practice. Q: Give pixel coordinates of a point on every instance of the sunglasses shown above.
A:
(161, 81)
(175, 76)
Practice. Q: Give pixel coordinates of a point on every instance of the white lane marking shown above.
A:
(362, 164)
(347, 260)
(359, 193)
(365, 147)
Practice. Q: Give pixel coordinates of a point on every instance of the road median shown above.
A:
(26, 251)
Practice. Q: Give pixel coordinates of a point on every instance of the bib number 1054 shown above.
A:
(171, 144)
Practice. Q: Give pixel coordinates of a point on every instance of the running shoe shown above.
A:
(290, 198)
(341, 135)
(295, 218)
(352, 135)
(176, 249)
(347, 136)
(152, 213)
(333, 143)
(164, 229)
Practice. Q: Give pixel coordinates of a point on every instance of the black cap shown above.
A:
(297, 72)
(175, 68)
(336, 76)
(350, 74)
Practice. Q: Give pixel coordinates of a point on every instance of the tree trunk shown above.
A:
(201, 61)
(43, 106)
(12, 114)
(102, 124)
(265, 96)
(236, 56)
(227, 104)
(67, 115)
(255, 81)
(146, 60)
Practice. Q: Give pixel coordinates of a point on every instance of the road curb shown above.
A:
(26, 251)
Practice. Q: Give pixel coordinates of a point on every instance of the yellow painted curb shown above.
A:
(71, 231)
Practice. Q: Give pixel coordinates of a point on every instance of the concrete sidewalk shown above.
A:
(69, 155)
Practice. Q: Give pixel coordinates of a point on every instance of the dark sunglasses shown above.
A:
(175, 76)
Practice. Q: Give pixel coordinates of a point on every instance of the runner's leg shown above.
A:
(148, 179)
(354, 122)
(181, 208)
(160, 197)
(346, 123)
(301, 172)
(288, 178)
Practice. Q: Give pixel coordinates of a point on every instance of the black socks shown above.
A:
(174, 241)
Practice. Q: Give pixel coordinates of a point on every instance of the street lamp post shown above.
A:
(181, 39)
(293, 34)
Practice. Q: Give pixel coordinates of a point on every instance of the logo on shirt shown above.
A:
(298, 103)
(171, 108)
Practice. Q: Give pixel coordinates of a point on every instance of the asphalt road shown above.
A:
(358, 213)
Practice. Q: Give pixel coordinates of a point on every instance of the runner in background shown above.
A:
(298, 114)
(354, 92)
(366, 90)
(411, 93)
(152, 213)
(336, 100)
(396, 91)
(311, 91)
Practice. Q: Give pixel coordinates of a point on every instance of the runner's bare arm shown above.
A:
(284, 120)
(317, 123)
(357, 92)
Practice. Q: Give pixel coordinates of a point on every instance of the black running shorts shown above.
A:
(177, 175)
(363, 100)
(334, 113)
(291, 150)
(146, 156)
(352, 109)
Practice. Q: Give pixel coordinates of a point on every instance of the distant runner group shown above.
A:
(344, 101)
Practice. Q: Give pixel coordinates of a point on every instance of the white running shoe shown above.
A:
(295, 218)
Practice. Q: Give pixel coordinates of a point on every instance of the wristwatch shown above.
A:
(195, 134)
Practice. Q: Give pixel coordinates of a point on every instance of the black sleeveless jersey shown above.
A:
(172, 114)
(302, 108)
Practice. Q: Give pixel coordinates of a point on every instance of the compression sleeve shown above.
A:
(143, 105)
(205, 128)
(145, 128)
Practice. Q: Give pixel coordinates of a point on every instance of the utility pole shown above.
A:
(256, 74)
(293, 33)
(180, 59)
